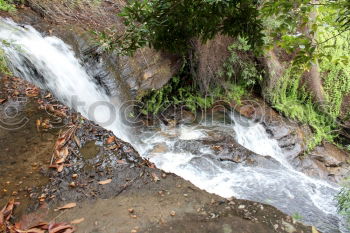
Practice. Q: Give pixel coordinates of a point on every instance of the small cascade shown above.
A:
(186, 150)
(50, 63)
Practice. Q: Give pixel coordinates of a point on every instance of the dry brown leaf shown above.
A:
(50, 108)
(77, 141)
(64, 152)
(61, 160)
(60, 168)
(155, 177)
(31, 230)
(2, 101)
(121, 161)
(105, 182)
(38, 123)
(110, 139)
(60, 227)
(67, 206)
(60, 113)
(61, 141)
(114, 147)
(77, 221)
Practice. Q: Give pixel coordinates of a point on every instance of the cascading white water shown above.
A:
(281, 186)
(50, 63)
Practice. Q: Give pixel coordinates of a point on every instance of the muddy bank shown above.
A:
(33, 123)
(115, 190)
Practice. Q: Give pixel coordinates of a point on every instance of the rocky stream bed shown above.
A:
(114, 189)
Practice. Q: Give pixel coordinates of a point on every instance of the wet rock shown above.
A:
(327, 162)
(147, 69)
(161, 148)
(288, 227)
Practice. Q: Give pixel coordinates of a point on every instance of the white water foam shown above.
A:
(50, 63)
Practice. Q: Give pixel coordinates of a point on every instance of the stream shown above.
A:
(186, 150)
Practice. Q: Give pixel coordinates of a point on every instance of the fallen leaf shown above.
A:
(77, 221)
(50, 108)
(121, 161)
(64, 152)
(38, 123)
(60, 168)
(61, 141)
(131, 210)
(67, 206)
(59, 227)
(77, 141)
(31, 230)
(114, 147)
(61, 160)
(60, 113)
(105, 182)
(155, 177)
(2, 101)
(110, 139)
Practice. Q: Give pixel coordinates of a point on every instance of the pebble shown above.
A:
(172, 213)
(241, 206)
(131, 210)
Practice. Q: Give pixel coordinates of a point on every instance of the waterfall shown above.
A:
(50, 63)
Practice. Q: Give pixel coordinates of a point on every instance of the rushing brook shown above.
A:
(50, 63)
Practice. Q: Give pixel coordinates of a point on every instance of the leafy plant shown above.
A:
(297, 217)
(240, 68)
(239, 75)
(291, 99)
(334, 64)
(3, 64)
(171, 24)
(7, 5)
(343, 199)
